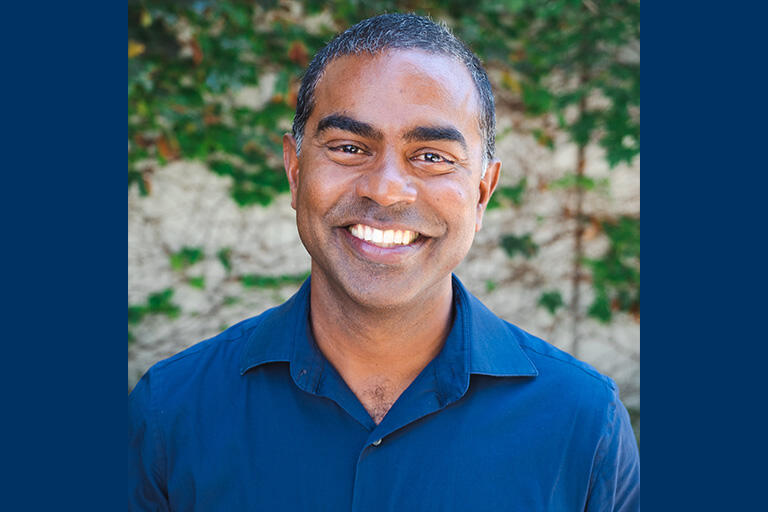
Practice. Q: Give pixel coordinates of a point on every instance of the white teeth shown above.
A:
(382, 238)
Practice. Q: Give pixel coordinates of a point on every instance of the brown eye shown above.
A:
(434, 158)
(347, 154)
(348, 148)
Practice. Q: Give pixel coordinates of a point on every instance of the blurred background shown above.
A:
(212, 239)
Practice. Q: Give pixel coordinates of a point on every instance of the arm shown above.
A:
(615, 485)
(146, 491)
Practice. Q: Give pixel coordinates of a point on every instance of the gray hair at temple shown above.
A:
(398, 32)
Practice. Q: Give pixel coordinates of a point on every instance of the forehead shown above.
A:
(397, 89)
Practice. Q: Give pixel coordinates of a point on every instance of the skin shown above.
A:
(393, 142)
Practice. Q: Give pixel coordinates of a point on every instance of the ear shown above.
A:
(291, 162)
(487, 186)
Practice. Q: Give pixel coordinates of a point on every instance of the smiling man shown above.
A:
(383, 384)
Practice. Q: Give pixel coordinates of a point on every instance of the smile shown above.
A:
(383, 238)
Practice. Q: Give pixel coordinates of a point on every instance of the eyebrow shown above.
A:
(348, 124)
(428, 133)
(417, 134)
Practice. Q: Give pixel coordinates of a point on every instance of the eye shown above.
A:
(346, 153)
(433, 158)
(348, 148)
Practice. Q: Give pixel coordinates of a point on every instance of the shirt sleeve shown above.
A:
(145, 453)
(616, 484)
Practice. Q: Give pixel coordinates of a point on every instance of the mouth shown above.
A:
(383, 246)
(383, 238)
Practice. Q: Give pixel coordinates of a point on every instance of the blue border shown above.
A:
(704, 287)
(64, 256)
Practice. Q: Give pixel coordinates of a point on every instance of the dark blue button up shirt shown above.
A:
(257, 419)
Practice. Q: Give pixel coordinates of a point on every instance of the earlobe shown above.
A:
(487, 185)
(291, 163)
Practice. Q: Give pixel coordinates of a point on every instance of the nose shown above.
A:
(388, 183)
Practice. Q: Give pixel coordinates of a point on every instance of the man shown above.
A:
(383, 384)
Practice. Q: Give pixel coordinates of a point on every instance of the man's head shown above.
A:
(398, 32)
(394, 170)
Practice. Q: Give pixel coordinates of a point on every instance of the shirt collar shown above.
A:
(495, 344)
(479, 343)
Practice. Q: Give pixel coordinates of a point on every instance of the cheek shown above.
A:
(319, 193)
(457, 201)
(315, 187)
(309, 205)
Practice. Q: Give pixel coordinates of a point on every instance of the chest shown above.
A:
(377, 394)
(450, 460)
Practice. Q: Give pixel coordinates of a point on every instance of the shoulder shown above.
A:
(595, 415)
(202, 369)
(210, 371)
(559, 363)
(571, 384)
(501, 348)
(216, 350)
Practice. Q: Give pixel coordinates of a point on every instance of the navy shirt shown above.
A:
(257, 419)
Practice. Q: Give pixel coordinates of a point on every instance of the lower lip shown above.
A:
(384, 255)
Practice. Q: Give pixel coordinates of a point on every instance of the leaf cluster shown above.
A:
(158, 303)
(508, 195)
(616, 275)
(566, 55)
(519, 244)
(551, 301)
(187, 62)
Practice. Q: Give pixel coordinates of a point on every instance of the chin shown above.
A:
(375, 296)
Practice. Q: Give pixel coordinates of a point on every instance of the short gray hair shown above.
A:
(398, 32)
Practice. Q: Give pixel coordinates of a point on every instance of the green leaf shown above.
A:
(572, 180)
(503, 196)
(135, 314)
(616, 274)
(186, 257)
(600, 309)
(551, 301)
(138, 178)
(264, 281)
(224, 256)
(543, 138)
(158, 303)
(197, 282)
(537, 99)
(523, 245)
(581, 130)
(222, 168)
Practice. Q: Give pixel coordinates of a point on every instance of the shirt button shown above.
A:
(376, 442)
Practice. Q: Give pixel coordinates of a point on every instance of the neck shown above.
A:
(378, 352)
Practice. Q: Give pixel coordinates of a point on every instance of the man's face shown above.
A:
(388, 191)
